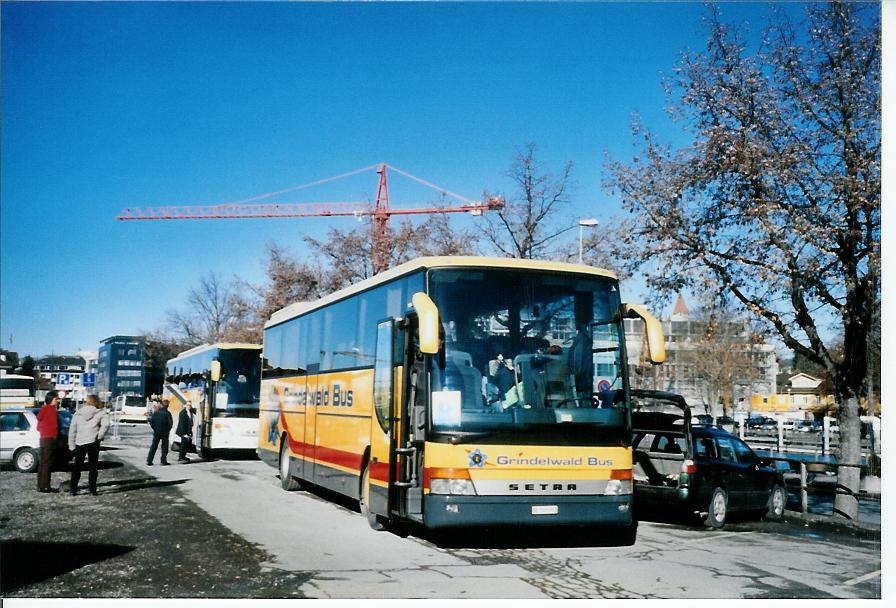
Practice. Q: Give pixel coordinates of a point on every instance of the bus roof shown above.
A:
(298, 308)
(222, 345)
(16, 377)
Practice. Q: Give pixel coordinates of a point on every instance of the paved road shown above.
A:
(331, 545)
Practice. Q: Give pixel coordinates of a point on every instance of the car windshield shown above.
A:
(527, 352)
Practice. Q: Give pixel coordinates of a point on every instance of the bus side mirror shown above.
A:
(428, 323)
(215, 371)
(656, 344)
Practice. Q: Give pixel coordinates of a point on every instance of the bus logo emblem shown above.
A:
(477, 458)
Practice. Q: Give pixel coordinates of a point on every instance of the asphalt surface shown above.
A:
(139, 538)
(165, 532)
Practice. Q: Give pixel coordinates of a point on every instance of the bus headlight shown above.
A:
(458, 487)
(618, 487)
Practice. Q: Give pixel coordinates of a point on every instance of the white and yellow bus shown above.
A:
(130, 408)
(222, 382)
(459, 391)
(16, 391)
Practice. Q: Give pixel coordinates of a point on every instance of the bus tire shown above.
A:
(717, 510)
(628, 535)
(364, 500)
(287, 481)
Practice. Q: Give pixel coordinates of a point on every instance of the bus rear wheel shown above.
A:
(287, 481)
(364, 500)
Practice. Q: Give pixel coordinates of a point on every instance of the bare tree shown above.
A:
(344, 257)
(532, 219)
(778, 197)
(215, 311)
(289, 280)
(723, 353)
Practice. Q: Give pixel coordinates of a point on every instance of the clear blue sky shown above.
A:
(110, 105)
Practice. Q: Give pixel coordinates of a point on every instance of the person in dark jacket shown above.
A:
(185, 430)
(87, 430)
(48, 427)
(161, 423)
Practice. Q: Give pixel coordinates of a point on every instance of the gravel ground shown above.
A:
(138, 538)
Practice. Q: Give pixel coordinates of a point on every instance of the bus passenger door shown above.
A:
(309, 447)
(380, 472)
(408, 425)
(405, 439)
(206, 413)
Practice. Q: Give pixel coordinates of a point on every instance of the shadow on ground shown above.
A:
(102, 465)
(140, 483)
(512, 537)
(495, 537)
(689, 519)
(122, 485)
(23, 563)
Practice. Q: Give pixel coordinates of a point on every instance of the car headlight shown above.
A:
(618, 487)
(458, 487)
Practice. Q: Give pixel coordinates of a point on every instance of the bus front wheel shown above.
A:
(287, 481)
(364, 500)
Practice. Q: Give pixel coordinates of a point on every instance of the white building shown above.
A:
(679, 374)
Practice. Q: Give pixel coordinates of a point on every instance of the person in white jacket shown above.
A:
(87, 430)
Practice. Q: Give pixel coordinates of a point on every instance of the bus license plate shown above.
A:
(545, 510)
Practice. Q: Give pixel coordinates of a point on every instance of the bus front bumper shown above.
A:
(446, 511)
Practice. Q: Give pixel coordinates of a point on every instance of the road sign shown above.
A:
(63, 379)
(88, 379)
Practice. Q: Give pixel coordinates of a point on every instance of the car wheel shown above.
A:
(287, 481)
(26, 460)
(776, 501)
(718, 509)
(364, 500)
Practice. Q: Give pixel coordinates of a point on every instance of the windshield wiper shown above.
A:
(462, 436)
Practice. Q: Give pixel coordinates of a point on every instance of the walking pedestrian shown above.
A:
(48, 427)
(161, 423)
(185, 430)
(89, 425)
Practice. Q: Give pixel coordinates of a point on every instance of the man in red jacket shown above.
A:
(48, 427)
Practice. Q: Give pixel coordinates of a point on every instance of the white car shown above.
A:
(20, 441)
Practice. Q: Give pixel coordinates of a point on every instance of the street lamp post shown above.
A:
(589, 222)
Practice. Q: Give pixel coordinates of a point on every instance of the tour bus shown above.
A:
(222, 382)
(130, 408)
(459, 391)
(16, 391)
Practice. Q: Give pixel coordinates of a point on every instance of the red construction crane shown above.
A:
(380, 212)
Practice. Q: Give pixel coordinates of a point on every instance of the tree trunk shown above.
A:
(846, 503)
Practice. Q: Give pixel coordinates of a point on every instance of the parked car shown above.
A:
(20, 441)
(703, 419)
(726, 422)
(701, 470)
(761, 422)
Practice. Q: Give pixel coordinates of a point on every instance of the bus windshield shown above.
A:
(238, 388)
(527, 353)
(17, 385)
